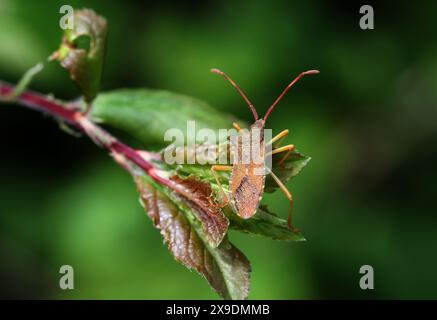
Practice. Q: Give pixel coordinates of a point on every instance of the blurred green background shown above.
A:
(368, 121)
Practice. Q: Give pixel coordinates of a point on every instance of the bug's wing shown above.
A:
(248, 173)
(247, 189)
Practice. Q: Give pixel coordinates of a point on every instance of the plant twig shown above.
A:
(122, 153)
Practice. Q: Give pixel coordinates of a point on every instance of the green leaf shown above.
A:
(264, 223)
(147, 114)
(83, 60)
(203, 172)
(225, 268)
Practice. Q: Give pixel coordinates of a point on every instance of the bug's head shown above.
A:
(258, 124)
(252, 108)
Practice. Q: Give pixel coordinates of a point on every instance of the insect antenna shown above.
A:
(217, 71)
(286, 89)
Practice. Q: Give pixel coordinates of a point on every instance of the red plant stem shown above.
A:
(39, 102)
(80, 121)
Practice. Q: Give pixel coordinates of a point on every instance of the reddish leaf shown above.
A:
(225, 267)
(198, 193)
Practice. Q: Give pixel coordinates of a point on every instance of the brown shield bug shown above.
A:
(246, 183)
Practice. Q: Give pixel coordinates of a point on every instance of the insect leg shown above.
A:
(213, 171)
(290, 200)
(279, 137)
(236, 126)
(288, 149)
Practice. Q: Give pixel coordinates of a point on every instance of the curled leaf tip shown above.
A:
(82, 51)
